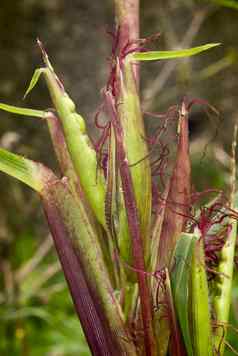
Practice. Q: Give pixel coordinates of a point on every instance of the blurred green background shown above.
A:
(36, 313)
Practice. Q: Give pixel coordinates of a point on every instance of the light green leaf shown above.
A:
(31, 173)
(23, 111)
(34, 80)
(199, 313)
(180, 276)
(158, 55)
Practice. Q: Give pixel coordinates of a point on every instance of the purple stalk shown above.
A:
(96, 329)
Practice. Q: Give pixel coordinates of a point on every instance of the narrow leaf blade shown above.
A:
(158, 55)
(23, 111)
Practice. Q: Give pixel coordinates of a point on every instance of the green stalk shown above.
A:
(131, 120)
(223, 285)
(134, 229)
(191, 297)
(130, 116)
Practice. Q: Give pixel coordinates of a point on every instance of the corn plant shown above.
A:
(148, 271)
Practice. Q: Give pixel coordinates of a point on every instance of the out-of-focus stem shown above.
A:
(31, 264)
(151, 92)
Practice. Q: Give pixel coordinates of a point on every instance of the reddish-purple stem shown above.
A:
(96, 329)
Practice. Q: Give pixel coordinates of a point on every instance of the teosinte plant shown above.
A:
(146, 279)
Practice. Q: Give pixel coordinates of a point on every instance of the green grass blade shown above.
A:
(23, 111)
(34, 80)
(180, 276)
(158, 55)
(35, 175)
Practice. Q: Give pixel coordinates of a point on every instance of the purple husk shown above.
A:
(177, 203)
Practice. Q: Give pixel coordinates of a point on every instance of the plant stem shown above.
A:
(135, 231)
(127, 21)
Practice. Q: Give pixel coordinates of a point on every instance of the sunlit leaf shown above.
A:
(158, 55)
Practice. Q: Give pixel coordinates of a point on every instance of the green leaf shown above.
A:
(34, 80)
(31, 173)
(158, 55)
(23, 111)
(179, 282)
(199, 313)
(233, 4)
(177, 347)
